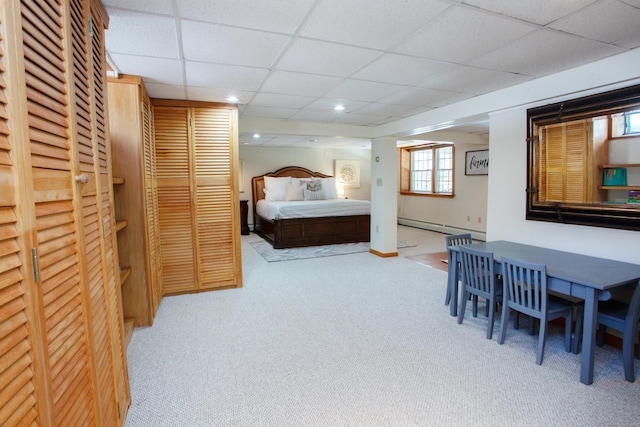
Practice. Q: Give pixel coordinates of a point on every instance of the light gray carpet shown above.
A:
(356, 340)
(265, 249)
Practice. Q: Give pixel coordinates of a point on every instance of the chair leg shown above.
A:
(463, 306)
(542, 337)
(492, 312)
(447, 298)
(504, 323)
(627, 360)
(474, 311)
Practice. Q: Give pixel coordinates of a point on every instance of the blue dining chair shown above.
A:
(525, 291)
(479, 280)
(625, 318)
(455, 240)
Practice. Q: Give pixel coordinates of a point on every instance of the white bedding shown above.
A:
(312, 208)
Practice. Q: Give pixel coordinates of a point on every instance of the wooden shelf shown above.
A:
(124, 274)
(621, 165)
(118, 181)
(120, 225)
(619, 187)
(128, 330)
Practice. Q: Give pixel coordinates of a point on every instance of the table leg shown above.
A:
(589, 335)
(452, 281)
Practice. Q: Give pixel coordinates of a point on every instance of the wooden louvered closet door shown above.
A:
(151, 204)
(565, 154)
(216, 206)
(71, 364)
(196, 162)
(19, 395)
(175, 215)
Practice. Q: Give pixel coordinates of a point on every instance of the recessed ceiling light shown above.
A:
(232, 99)
(339, 107)
(256, 135)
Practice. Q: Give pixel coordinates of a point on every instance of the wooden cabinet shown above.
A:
(133, 152)
(62, 361)
(196, 147)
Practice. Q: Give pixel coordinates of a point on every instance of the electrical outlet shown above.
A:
(479, 220)
(468, 218)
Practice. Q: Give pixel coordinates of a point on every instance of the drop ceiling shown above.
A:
(292, 61)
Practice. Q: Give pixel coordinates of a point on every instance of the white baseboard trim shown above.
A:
(442, 228)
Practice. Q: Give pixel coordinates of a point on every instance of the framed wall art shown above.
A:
(476, 162)
(347, 173)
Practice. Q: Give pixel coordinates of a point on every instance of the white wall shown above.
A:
(467, 210)
(260, 160)
(507, 201)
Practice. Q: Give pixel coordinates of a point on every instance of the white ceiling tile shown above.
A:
(373, 24)
(361, 90)
(294, 60)
(299, 83)
(280, 16)
(359, 119)
(156, 90)
(269, 113)
(540, 12)
(280, 101)
(308, 115)
(461, 34)
(155, 70)
(594, 22)
(315, 57)
(423, 97)
(225, 45)
(379, 109)
(401, 69)
(472, 80)
(630, 42)
(329, 104)
(154, 36)
(163, 7)
(216, 94)
(547, 52)
(234, 78)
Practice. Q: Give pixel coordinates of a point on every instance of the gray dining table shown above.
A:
(590, 278)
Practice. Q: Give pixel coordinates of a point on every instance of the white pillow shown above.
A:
(275, 188)
(314, 195)
(329, 186)
(294, 193)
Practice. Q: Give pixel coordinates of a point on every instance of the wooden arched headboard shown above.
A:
(292, 171)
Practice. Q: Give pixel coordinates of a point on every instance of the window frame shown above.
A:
(406, 168)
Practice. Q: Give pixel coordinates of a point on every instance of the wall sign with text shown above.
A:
(476, 162)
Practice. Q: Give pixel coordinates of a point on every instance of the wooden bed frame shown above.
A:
(299, 232)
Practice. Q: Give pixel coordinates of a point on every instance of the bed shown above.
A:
(341, 220)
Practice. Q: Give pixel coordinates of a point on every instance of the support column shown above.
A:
(384, 197)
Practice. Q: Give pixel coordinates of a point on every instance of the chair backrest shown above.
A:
(477, 270)
(458, 239)
(525, 286)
